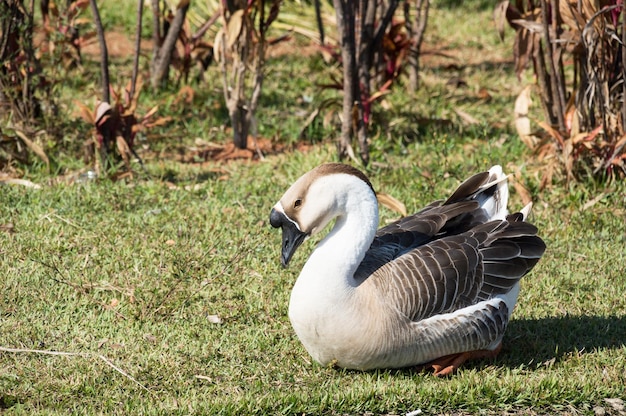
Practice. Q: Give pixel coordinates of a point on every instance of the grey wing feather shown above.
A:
(413, 231)
(456, 271)
(450, 255)
(465, 332)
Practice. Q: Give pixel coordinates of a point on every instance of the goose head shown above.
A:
(312, 202)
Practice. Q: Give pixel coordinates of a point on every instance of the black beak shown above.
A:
(292, 236)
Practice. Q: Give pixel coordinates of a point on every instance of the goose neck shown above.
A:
(339, 254)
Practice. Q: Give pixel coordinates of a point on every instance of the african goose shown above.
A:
(434, 288)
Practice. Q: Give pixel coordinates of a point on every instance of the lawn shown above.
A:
(166, 295)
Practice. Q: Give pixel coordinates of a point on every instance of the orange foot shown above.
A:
(444, 366)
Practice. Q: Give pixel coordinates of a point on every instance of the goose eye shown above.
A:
(297, 203)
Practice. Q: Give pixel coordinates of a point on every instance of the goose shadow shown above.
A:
(535, 343)
(547, 340)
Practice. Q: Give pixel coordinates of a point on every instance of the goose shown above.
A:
(433, 289)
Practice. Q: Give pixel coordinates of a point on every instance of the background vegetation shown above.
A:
(164, 287)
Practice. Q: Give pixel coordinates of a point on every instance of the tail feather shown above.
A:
(494, 196)
(490, 189)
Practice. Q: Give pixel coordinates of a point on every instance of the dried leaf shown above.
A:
(273, 14)
(499, 17)
(234, 28)
(150, 113)
(616, 404)
(217, 45)
(123, 149)
(391, 203)
(85, 112)
(8, 228)
(466, 117)
(161, 121)
(531, 26)
(523, 49)
(522, 122)
(22, 182)
(595, 200)
(34, 147)
(552, 132)
(522, 192)
(182, 3)
(546, 179)
(186, 94)
(379, 93)
(308, 122)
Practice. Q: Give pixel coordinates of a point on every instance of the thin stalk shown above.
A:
(104, 53)
(137, 48)
(623, 70)
(558, 106)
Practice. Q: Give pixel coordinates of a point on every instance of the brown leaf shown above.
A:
(158, 122)
(522, 192)
(523, 48)
(185, 94)
(22, 182)
(34, 147)
(9, 228)
(466, 117)
(483, 94)
(150, 113)
(546, 179)
(499, 17)
(123, 149)
(217, 45)
(234, 28)
(522, 122)
(85, 112)
(391, 203)
(552, 132)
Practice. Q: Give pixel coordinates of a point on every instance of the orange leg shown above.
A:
(444, 366)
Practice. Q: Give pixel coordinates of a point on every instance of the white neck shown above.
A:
(329, 271)
(323, 301)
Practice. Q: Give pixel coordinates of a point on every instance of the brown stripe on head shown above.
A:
(295, 196)
(330, 168)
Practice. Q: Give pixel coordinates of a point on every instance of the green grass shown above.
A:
(135, 273)
(139, 272)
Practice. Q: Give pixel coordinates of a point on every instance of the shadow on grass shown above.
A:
(548, 340)
(535, 343)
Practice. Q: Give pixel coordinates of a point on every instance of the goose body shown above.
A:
(437, 285)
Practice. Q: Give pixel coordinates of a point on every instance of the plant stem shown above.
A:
(104, 53)
(133, 84)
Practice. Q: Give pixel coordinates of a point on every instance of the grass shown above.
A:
(139, 274)
(174, 277)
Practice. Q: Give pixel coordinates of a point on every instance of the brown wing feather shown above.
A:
(456, 271)
(449, 255)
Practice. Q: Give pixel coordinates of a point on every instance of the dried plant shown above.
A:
(415, 19)
(240, 48)
(115, 118)
(117, 124)
(374, 48)
(21, 78)
(24, 91)
(65, 31)
(585, 115)
(166, 30)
